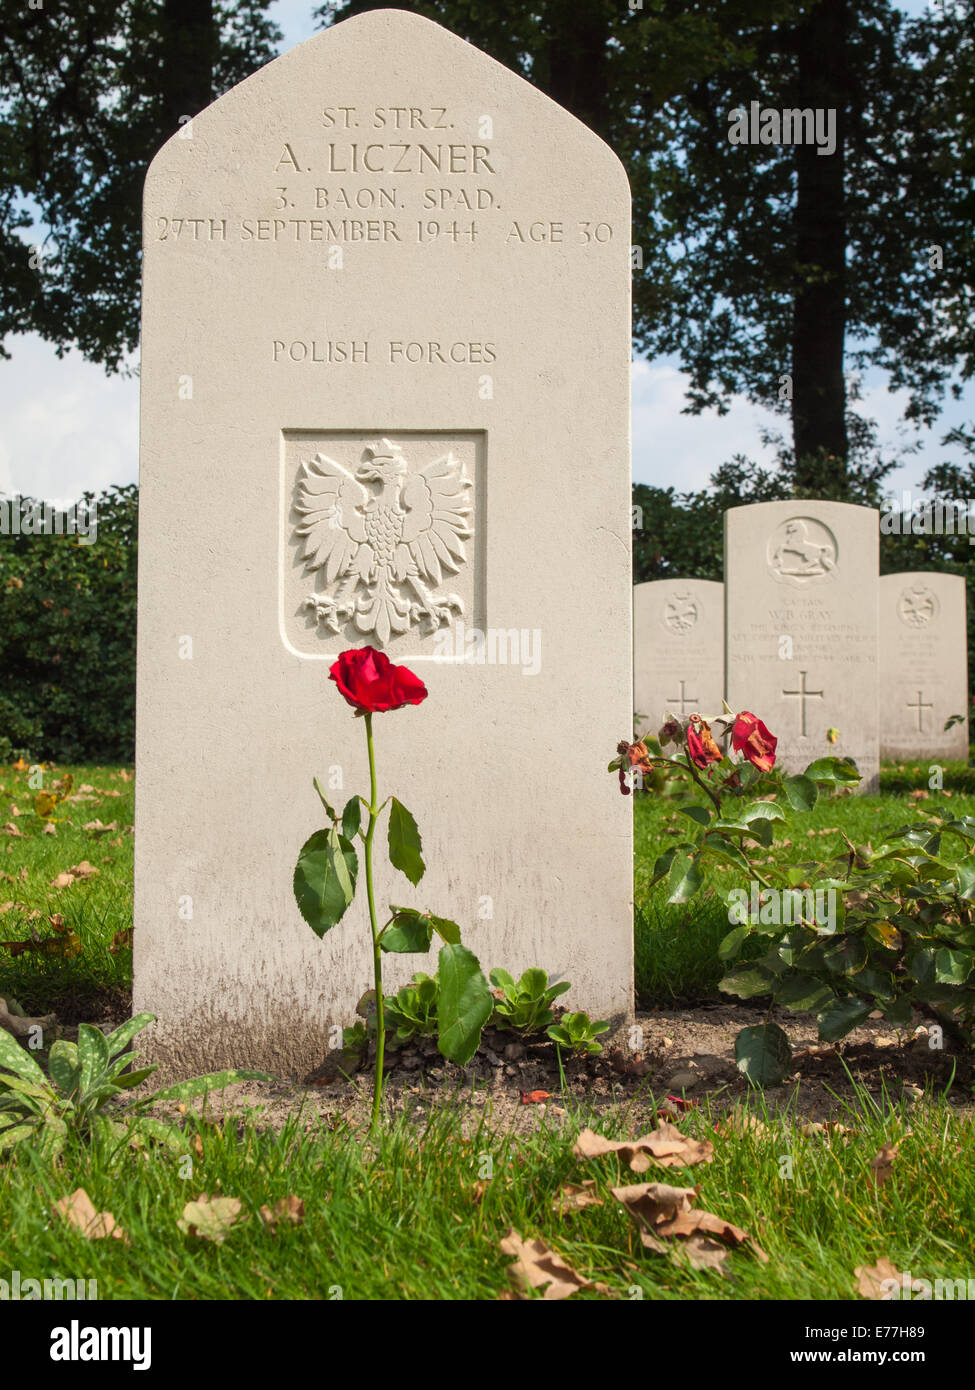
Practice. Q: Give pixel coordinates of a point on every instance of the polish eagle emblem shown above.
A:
(383, 538)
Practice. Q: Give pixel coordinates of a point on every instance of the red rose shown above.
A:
(372, 684)
(750, 736)
(637, 756)
(701, 747)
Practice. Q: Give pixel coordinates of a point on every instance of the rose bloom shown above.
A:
(370, 682)
(701, 747)
(637, 756)
(670, 733)
(750, 736)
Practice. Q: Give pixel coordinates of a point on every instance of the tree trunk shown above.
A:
(819, 315)
(571, 67)
(188, 53)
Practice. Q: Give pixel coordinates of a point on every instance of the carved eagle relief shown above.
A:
(382, 538)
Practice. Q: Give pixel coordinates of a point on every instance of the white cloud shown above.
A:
(67, 426)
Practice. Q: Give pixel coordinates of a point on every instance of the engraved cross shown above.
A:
(920, 706)
(683, 700)
(803, 695)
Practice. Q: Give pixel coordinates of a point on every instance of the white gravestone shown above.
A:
(923, 665)
(678, 650)
(801, 586)
(386, 314)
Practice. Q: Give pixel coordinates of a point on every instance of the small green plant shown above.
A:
(85, 1077)
(412, 1012)
(577, 1033)
(526, 1006)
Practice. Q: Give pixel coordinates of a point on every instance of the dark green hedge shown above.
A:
(67, 638)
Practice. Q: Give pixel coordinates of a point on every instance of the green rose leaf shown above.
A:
(445, 928)
(684, 879)
(952, 967)
(761, 810)
(730, 944)
(965, 877)
(351, 817)
(410, 931)
(405, 844)
(838, 1018)
(801, 792)
(697, 813)
(803, 993)
(329, 810)
(325, 878)
(465, 1003)
(839, 770)
(763, 1054)
(747, 981)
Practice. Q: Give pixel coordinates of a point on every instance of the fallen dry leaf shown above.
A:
(538, 1267)
(287, 1211)
(576, 1197)
(95, 827)
(49, 829)
(18, 1024)
(210, 1218)
(121, 940)
(701, 1252)
(881, 1165)
(740, 1121)
(63, 880)
(533, 1097)
(665, 1145)
(662, 1212)
(83, 870)
(11, 829)
(79, 1211)
(870, 1279)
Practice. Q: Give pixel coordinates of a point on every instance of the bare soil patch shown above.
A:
(687, 1058)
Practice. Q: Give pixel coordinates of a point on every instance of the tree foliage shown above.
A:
(90, 91)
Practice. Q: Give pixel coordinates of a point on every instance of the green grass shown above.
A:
(402, 1220)
(676, 944)
(85, 985)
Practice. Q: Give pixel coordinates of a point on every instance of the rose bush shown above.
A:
(889, 927)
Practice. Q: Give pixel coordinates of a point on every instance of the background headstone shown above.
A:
(678, 649)
(381, 265)
(923, 665)
(801, 582)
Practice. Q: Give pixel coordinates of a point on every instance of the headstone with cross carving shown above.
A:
(385, 402)
(801, 628)
(923, 666)
(678, 650)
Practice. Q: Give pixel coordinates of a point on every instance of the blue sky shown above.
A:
(68, 427)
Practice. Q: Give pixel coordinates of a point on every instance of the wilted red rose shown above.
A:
(637, 756)
(701, 747)
(670, 733)
(750, 736)
(370, 682)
